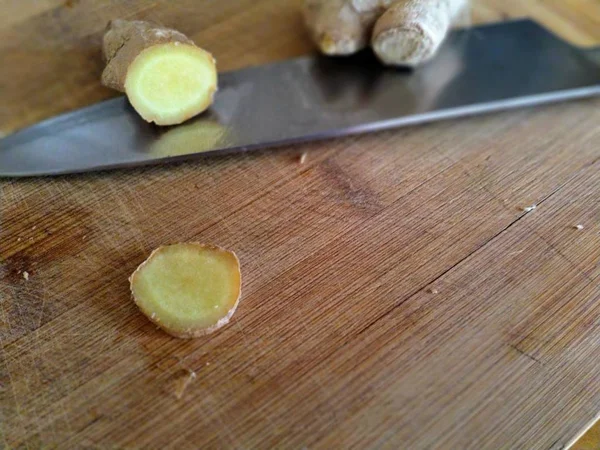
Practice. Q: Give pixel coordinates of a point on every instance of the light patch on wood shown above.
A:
(26, 275)
(578, 227)
(529, 208)
(182, 381)
(303, 157)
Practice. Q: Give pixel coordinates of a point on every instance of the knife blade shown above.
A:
(480, 69)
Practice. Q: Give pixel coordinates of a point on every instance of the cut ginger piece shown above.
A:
(170, 83)
(188, 289)
(166, 77)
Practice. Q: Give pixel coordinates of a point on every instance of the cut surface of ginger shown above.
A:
(169, 83)
(188, 289)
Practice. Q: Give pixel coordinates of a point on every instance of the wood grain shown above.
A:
(396, 294)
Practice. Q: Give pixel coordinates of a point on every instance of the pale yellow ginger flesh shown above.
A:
(169, 83)
(188, 289)
(166, 77)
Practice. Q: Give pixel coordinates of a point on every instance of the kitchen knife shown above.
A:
(480, 69)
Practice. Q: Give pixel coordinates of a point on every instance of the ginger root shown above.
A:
(339, 27)
(188, 289)
(166, 77)
(401, 32)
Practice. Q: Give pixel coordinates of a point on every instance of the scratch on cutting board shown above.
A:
(533, 358)
(138, 202)
(319, 383)
(11, 194)
(30, 367)
(262, 353)
(23, 304)
(529, 208)
(182, 381)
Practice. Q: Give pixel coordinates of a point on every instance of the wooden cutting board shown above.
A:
(396, 293)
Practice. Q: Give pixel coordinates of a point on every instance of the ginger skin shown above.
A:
(338, 27)
(401, 32)
(166, 77)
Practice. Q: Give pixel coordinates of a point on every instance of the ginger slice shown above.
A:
(166, 77)
(188, 289)
(170, 83)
